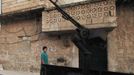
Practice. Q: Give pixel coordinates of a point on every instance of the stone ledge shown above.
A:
(72, 4)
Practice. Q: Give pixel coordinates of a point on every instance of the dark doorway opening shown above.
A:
(97, 44)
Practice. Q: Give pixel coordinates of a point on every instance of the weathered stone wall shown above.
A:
(21, 42)
(61, 2)
(9, 6)
(121, 41)
(66, 2)
(12, 6)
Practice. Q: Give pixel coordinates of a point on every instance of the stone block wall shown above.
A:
(21, 42)
(9, 6)
(121, 41)
(66, 2)
(61, 2)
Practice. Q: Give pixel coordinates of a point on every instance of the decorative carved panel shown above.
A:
(91, 15)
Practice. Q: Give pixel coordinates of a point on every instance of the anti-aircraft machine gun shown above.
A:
(82, 33)
(80, 39)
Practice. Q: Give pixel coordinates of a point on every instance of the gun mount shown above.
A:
(82, 34)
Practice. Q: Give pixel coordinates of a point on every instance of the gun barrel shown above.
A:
(67, 16)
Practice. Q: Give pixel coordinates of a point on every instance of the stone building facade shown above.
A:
(24, 30)
(121, 39)
(22, 39)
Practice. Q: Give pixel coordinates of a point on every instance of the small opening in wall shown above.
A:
(61, 59)
(66, 42)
